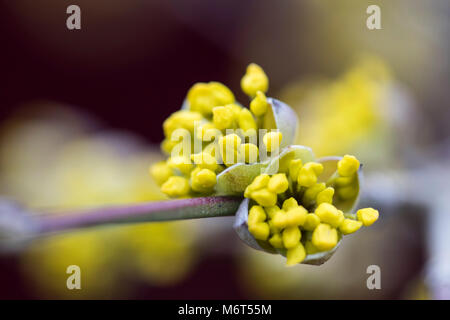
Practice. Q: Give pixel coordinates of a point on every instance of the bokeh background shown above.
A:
(80, 122)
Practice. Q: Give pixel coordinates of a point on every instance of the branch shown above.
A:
(18, 224)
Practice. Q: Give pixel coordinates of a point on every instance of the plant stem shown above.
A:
(193, 208)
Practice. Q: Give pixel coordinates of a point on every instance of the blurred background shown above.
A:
(81, 117)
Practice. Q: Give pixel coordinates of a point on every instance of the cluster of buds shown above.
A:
(213, 132)
(294, 211)
(293, 205)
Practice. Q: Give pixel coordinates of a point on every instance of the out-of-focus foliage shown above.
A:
(54, 163)
(358, 112)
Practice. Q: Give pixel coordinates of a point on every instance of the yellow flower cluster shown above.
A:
(294, 211)
(209, 112)
(347, 108)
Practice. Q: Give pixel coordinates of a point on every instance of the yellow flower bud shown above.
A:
(291, 237)
(343, 181)
(278, 183)
(176, 186)
(280, 219)
(310, 194)
(349, 226)
(367, 216)
(259, 182)
(296, 216)
(272, 227)
(181, 119)
(271, 211)
(307, 177)
(329, 214)
(203, 180)
(348, 166)
(325, 196)
(222, 95)
(235, 108)
(207, 132)
(203, 97)
(272, 140)
(311, 222)
(276, 241)
(205, 161)
(260, 231)
(246, 121)
(289, 204)
(264, 197)
(183, 164)
(167, 145)
(228, 147)
(254, 80)
(295, 255)
(249, 152)
(294, 168)
(348, 192)
(259, 104)
(324, 237)
(223, 117)
(160, 172)
(256, 215)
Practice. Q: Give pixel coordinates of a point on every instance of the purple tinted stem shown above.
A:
(193, 208)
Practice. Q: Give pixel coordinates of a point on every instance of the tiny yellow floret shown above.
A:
(311, 222)
(349, 226)
(296, 216)
(294, 168)
(329, 214)
(295, 255)
(203, 180)
(348, 192)
(324, 237)
(310, 194)
(307, 176)
(160, 172)
(325, 196)
(276, 241)
(203, 97)
(278, 183)
(272, 140)
(205, 161)
(291, 237)
(246, 121)
(259, 104)
(223, 117)
(290, 204)
(279, 220)
(229, 148)
(248, 152)
(264, 197)
(272, 210)
(367, 216)
(176, 186)
(254, 80)
(180, 163)
(260, 231)
(256, 215)
(348, 166)
(258, 183)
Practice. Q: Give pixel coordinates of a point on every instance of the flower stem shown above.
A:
(193, 208)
